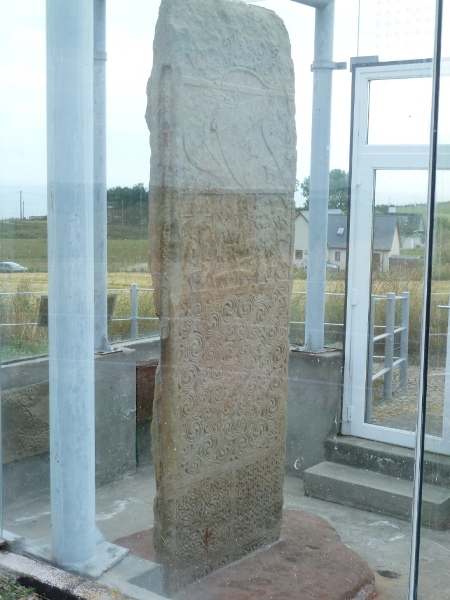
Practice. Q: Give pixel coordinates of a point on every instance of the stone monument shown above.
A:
(223, 157)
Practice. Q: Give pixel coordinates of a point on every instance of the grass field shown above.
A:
(25, 340)
(25, 242)
(32, 253)
(442, 210)
(20, 295)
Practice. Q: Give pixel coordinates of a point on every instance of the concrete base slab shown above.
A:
(139, 544)
(309, 562)
(314, 413)
(10, 538)
(135, 577)
(376, 492)
(51, 582)
(107, 555)
(387, 459)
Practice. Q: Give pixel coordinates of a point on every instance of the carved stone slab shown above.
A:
(222, 132)
(25, 421)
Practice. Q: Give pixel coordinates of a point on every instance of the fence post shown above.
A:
(368, 418)
(389, 344)
(134, 330)
(404, 338)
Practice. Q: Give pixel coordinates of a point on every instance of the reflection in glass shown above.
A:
(400, 111)
(396, 298)
(397, 30)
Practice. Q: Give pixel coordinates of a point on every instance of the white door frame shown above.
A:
(366, 160)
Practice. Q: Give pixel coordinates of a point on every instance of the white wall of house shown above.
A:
(412, 241)
(300, 240)
(395, 249)
(338, 256)
(408, 243)
(384, 264)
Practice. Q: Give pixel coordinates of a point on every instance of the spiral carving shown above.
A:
(232, 361)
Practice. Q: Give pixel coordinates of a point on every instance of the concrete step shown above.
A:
(376, 492)
(386, 459)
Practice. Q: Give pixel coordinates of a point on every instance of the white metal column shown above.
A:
(70, 87)
(100, 207)
(319, 182)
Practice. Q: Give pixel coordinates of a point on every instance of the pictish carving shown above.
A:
(231, 366)
(221, 120)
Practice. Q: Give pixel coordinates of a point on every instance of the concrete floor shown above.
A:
(125, 507)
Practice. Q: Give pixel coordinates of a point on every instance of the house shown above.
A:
(412, 230)
(301, 236)
(337, 240)
(386, 239)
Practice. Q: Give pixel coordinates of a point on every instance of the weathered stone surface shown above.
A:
(221, 117)
(310, 562)
(25, 421)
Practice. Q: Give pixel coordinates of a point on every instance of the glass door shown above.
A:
(389, 178)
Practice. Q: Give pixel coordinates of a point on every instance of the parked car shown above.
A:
(332, 266)
(11, 267)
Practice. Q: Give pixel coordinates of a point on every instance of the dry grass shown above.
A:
(334, 309)
(29, 340)
(21, 307)
(11, 590)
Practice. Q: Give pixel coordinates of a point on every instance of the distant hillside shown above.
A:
(442, 210)
(12, 229)
(127, 215)
(15, 229)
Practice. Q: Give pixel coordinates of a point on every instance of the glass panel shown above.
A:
(399, 111)
(397, 30)
(435, 538)
(124, 384)
(444, 95)
(396, 297)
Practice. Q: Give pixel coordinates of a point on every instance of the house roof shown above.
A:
(414, 220)
(337, 231)
(383, 235)
(331, 211)
(384, 230)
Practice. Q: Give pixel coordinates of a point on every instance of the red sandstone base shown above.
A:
(308, 563)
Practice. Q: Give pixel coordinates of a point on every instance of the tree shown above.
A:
(338, 196)
(128, 205)
(382, 209)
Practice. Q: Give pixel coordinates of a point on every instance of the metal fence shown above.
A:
(390, 331)
(134, 318)
(388, 343)
(334, 329)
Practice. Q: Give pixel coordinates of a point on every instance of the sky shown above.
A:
(391, 29)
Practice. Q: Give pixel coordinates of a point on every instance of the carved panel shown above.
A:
(232, 359)
(238, 140)
(25, 421)
(234, 240)
(259, 497)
